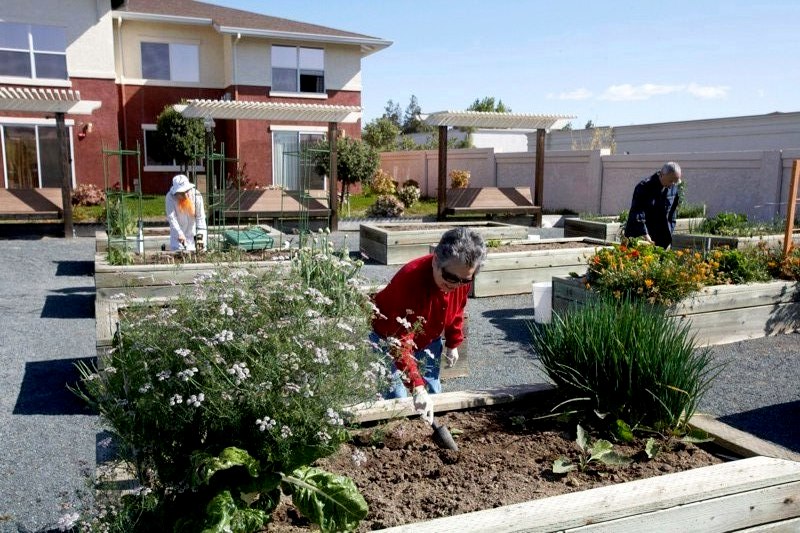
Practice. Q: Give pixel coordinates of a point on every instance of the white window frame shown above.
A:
(172, 49)
(32, 52)
(298, 70)
(19, 121)
(175, 167)
(298, 131)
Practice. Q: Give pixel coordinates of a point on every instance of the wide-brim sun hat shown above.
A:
(181, 183)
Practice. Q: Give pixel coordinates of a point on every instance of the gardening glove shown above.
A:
(423, 403)
(452, 357)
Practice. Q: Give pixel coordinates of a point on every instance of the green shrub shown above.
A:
(386, 206)
(724, 224)
(691, 210)
(626, 361)
(382, 183)
(746, 265)
(223, 399)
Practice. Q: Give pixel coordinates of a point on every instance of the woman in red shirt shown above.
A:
(425, 299)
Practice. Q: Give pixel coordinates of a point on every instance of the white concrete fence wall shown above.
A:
(592, 181)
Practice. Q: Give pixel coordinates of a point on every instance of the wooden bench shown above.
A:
(31, 204)
(493, 201)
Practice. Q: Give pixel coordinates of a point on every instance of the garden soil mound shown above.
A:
(504, 458)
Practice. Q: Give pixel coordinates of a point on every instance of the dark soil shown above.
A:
(504, 458)
(534, 246)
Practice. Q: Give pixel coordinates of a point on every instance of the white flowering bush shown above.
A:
(223, 399)
(409, 195)
(386, 206)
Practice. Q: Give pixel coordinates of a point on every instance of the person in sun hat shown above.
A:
(186, 214)
(425, 299)
(654, 206)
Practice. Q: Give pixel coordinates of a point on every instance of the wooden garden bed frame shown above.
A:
(716, 315)
(609, 230)
(698, 241)
(156, 236)
(760, 492)
(391, 244)
(505, 273)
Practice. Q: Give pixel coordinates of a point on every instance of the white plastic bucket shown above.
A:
(542, 301)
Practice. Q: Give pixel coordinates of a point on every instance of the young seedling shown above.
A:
(600, 452)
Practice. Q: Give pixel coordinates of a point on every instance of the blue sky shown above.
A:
(615, 63)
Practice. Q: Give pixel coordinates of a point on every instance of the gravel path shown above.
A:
(48, 440)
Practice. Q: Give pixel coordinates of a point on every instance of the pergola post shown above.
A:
(66, 176)
(442, 188)
(333, 134)
(539, 177)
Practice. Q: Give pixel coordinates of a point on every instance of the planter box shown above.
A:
(393, 244)
(612, 231)
(732, 496)
(698, 241)
(156, 237)
(514, 272)
(719, 314)
(152, 281)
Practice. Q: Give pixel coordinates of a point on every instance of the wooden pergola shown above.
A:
(58, 102)
(485, 119)
(274, 111)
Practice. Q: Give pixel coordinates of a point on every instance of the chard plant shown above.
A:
(222, 399)
(599, 451)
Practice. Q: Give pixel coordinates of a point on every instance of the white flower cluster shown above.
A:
(147, 387)
(239, 371)
(316, 296)
(345, 326)
(225, 310)
(286, 432)
(265, 423)
(183, 352)
(403, 322)
(334, 418)
(164, 375)
(323, 437)
(359, 457)
(176, 399)
(196, 400)
(223, 336)
(186, 375)
(321, 356)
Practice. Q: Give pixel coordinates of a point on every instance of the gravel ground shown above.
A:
(48, 440)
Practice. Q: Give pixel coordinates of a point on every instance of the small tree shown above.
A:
(392, 112)
(180, 137)
(381, 134)
(488, 104)
(412, 121)
(356, 161)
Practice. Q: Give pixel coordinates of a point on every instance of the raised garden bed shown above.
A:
(501, 478)
(157, 236)
(719, 314)
(698, 241)
(514, 266)
(608, 230)
(394, 244)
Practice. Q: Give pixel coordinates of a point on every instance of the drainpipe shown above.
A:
(236, 92)
(122, 95)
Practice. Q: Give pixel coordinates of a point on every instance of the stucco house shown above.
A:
(138, 56)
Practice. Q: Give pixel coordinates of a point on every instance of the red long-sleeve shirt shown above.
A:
(412, 294)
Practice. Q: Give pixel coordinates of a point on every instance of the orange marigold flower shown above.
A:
(648, 283)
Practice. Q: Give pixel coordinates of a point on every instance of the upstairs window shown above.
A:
(33, 51)
(170, 61)
(298, 70)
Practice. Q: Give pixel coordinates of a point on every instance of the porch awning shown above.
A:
(485, 119)
(41, 100)
(243, 110)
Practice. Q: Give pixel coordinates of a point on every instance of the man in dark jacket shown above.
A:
(654, 206)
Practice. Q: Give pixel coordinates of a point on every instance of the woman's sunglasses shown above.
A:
(449, 277)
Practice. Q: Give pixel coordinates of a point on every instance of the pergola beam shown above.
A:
(275, 111)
